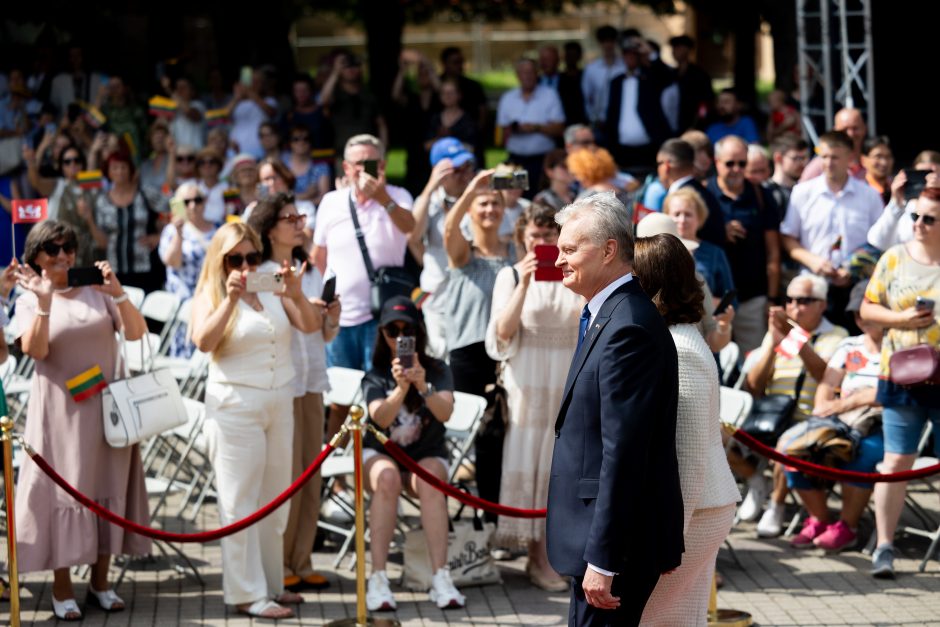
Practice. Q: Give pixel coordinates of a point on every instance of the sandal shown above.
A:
(313, 581)
(266, 608)
(107, 600)
(66, 610)
(289, 598)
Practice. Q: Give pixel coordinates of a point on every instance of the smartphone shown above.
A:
(924, 304)
(546, 255)
(405, 350)
(244, 76)
(517, 179)
(178, 208)
(263, 282)
(329, 290)
(371, 167)
(916, 182)
(85, 276)
(726, 300)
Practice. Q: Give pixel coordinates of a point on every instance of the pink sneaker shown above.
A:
(812, 528)
(836, 537)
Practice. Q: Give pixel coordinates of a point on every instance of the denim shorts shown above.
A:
(352, 347)
(904, 427)
(870, 451)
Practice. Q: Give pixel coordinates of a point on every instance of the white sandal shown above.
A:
(62, 609)
(263, 608)
(106, 600)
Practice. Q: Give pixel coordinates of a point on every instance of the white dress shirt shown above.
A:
(631, 131)
(542, 107)
(894, 226)
(831, 224)
(595, 85)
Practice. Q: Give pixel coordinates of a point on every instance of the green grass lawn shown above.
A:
(395, 162)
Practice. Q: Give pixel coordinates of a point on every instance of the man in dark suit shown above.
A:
(675, 167)
(614, 502)
(636, 124)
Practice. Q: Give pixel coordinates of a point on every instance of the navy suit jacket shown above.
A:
(614, 498)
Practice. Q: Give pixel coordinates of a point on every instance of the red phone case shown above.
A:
(546, 270)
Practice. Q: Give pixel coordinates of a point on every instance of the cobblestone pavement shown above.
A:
(777, 585)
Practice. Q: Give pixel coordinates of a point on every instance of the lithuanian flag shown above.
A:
(162, 107)
(89, 179)
(216, 117)
(92, 114)
(231, 193)
(87, 384)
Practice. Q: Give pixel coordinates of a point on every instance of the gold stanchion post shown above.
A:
(7, 425)
(732, 618)
(356, 414)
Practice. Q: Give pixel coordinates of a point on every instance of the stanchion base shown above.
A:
(370, 622)
(732, 618)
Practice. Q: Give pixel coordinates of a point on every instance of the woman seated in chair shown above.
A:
(853, 371)
(410, 403)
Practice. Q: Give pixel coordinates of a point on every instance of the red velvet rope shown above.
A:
(826, 472)
(467, 499)
(201, 537)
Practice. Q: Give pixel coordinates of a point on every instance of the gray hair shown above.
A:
(819, 287)
(756, 150)
(573, 130)
(609, 220)
(727, 140)
(185, 187)
(364, 140)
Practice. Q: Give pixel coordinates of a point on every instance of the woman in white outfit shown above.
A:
(666, 271)
(249, 420)
(281, 228)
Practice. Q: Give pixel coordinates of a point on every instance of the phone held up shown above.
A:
(726, 300)
(924, 304)
(263, 282)
(405, 350)
(546, 255)
(79, 277)
(329, 290)
(371, 167)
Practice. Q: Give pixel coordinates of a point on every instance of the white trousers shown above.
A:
(249, 433)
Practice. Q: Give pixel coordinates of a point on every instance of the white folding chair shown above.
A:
(749, 362)
(135, 295)
(161, 306)
(734, 405)
(462, 428)
(728, 359)
(345, 386)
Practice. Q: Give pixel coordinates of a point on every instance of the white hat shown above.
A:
(656, 223)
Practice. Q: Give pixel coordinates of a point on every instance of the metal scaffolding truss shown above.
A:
(835, 57)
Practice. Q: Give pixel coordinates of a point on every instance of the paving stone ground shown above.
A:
(776, 584)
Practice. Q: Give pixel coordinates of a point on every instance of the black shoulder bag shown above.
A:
(772, 414)
(385, 282)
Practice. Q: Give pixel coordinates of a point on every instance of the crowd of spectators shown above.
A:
(208, 187)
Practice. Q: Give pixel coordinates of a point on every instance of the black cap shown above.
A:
(399, 308)
(856, 297)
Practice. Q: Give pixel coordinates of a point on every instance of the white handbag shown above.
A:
(468, 556)
(136, 408)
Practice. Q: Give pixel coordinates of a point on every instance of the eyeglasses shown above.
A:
(203, 162)
(801, 300)
(237, 260)
(731, 164)
(52, 249)
(197, 200)
(394, 331)
(185, 158)
(71, 160)
(300, 138)
(927, 220)
(293, 219)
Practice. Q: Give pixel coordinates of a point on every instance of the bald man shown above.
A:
(853, 124)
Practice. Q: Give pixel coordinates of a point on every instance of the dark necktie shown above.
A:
(583, 326)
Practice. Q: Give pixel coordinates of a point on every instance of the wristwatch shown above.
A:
(428, 392)
(390, 206)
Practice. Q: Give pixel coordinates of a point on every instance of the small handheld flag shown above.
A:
(93, 115)
(216, 117)
(790, 346)
(89, 179)
(87, 384)
(162, 107)
(640, 212)
(29, 211)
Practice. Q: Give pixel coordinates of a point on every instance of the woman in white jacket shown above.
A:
(666, 271)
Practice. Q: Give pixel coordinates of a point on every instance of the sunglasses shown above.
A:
(731, 164)
(203, 162)
(293, 219)
(52, 249)
(197, 200)
(927, 220)
(801, 300)
(185, 158)
(394, 331)
(71, 161)
(237, 260)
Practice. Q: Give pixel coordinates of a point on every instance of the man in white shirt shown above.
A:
(829, 218)
(595, 82)
(531, 118)
(851, 122)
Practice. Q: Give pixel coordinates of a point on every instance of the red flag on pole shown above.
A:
(640, 212)
(29, 211)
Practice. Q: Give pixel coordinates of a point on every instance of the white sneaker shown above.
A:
(378, 594)
(771, 523)
(443, 593)
(757, 491)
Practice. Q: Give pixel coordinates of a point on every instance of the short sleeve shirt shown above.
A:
(416, 430)
(895, 284)
(542, 107)
(861, 366)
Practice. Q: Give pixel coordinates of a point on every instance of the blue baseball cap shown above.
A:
(450, 148)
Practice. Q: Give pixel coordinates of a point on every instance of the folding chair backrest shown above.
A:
(735, 405)
(161, 306)
(345, 386)
(749, 362)
(135, 295)
(7, 368)
(468, 409)
(728, 360)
